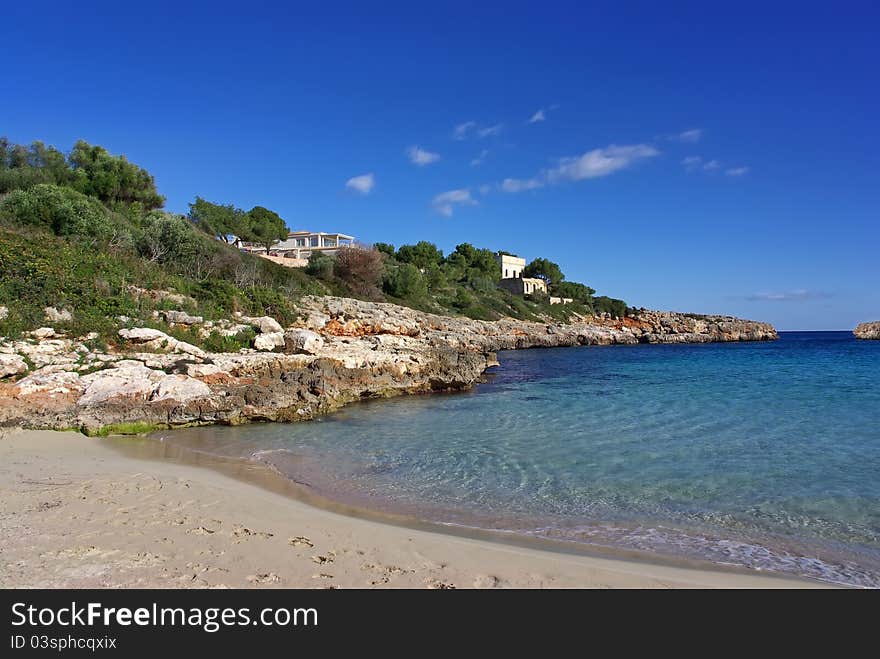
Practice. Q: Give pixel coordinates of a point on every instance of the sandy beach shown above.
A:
(77, 513)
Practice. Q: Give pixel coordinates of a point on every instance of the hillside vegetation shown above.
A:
(84, 231)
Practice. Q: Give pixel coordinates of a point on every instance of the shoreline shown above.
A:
(339, 351)
(84, 512)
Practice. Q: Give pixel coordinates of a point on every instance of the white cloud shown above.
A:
(472, 129)
(689, 136)
(600, 162)
(420, 157)
(461, 131)
(797, 295)
(445, 202)
(484, 189)
(693, 163)
(518, 185)
(592, 164)
(538, 116)
(476, 162)
(490, 130)
(737, 171)
(362, 184)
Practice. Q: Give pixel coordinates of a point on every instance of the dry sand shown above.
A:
(75, 512)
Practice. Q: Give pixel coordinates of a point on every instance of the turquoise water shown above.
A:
(764, 455)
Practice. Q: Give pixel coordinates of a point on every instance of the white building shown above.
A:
(512, 277)
(301, 244)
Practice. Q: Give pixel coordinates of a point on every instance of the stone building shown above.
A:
(512, 277)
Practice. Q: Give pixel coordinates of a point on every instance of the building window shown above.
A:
(314, 241)
(505, 273)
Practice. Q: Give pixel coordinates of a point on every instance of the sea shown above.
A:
(763, 456)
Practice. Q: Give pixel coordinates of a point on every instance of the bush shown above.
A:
(405, 281)
(320, 265)
(573, 290)
(62, 211)
(609, 305)
(385, 248)
(360, 269)
(422, 255)
(167, 237)
(216, 342)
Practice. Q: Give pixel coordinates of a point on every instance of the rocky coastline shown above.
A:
(868, 330)
(340, 350)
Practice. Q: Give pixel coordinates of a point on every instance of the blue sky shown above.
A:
(700, 158)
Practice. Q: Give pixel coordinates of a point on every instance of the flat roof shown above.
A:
(319, 233)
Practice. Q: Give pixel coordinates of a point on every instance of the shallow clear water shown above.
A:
(765, 455)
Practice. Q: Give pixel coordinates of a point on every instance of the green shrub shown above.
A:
(320, 265)
(219, 343)
(62, 211)
(167, 238)
(404, 281)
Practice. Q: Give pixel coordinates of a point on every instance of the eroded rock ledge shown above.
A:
(868, 330)
(339, 351)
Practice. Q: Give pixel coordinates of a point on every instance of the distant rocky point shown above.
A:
(868, 330)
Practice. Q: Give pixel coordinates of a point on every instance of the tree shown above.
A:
(610, 305)
(360, 269)
(62, 211)
(405, 281)
(265, 227)
(385, 248)
(477, 262)
(112, 179)
(421, 255)
(23, 167)
(222, 222)
(575, 291)
(167, 238)
(320, 265)
(546, 270)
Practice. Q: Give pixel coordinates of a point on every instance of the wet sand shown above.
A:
(78, 512)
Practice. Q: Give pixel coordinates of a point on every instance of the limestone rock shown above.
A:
(48, 381)
(868, 330)
(182, 318)
(302, 341)
(54, 315)
(154, 339)
(127, 380)
(43, 333)
(203, 370)
(11, 365)
(181, 388)
(266, 324)
(269, 341)
(4, 313)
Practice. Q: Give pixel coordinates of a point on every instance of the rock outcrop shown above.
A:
(12, 365)
(868, 330)
(153, 339)
(54, 315)
(340, 350)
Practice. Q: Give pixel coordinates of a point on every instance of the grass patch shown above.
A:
(133, 428)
